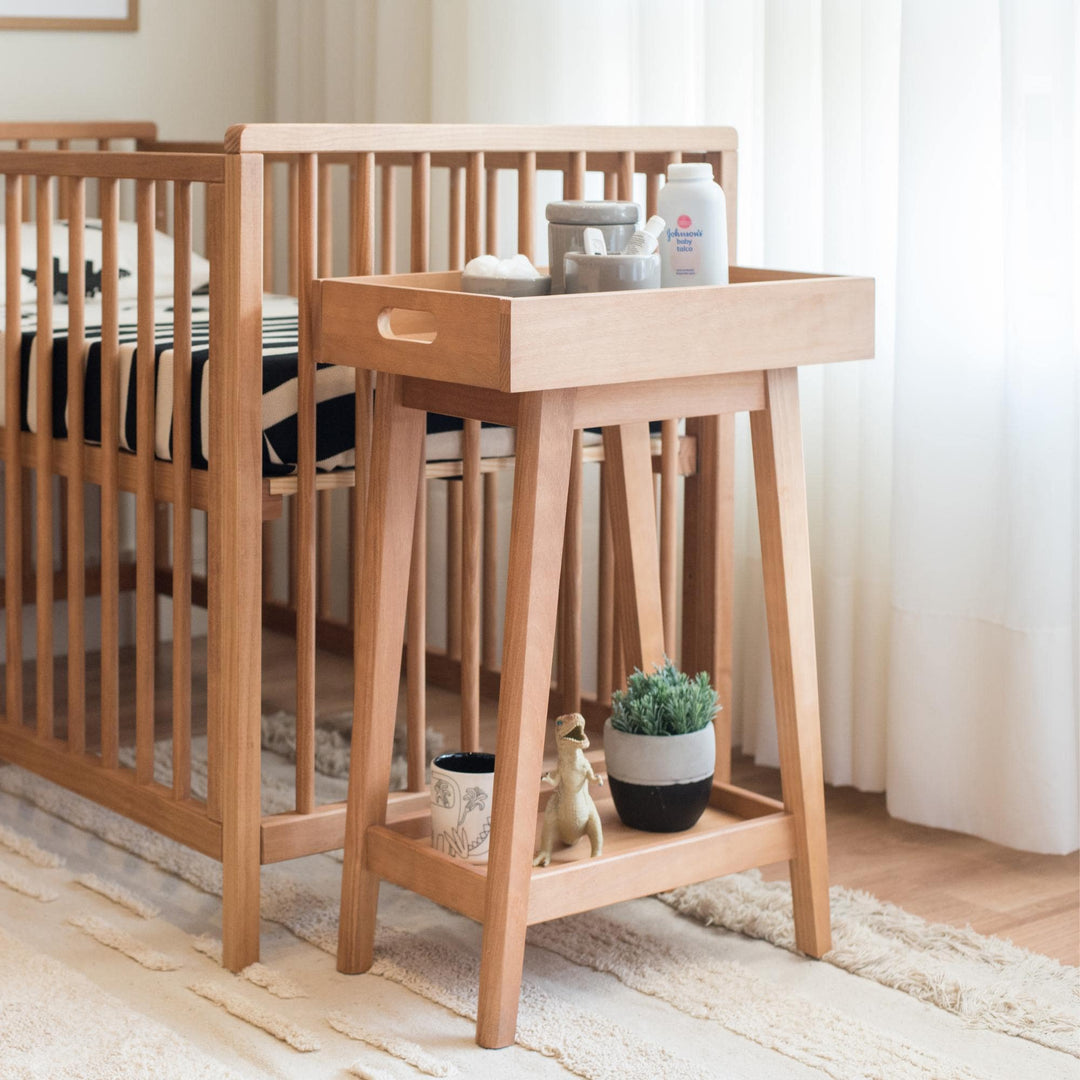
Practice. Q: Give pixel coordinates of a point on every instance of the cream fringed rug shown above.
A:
(108, 967)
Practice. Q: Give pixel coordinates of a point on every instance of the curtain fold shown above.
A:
(982, 706)
(932, 144)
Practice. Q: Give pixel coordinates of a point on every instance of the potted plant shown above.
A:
(660, 748)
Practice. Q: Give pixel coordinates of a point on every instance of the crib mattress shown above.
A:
(334, 389)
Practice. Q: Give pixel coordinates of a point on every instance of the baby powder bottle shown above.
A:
(693, 246)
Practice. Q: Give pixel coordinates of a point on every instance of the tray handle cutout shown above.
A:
(407, 324)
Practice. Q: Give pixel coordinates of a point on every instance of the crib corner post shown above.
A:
(235, 591)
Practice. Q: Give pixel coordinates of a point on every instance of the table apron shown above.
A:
(600, 406)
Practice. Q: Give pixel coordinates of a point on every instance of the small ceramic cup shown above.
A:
(461, 791)
(611, 273)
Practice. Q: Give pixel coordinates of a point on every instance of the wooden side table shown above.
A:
(549, 366)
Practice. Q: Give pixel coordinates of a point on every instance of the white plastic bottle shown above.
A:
(694, 246)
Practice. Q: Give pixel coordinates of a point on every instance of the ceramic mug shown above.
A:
(610, 273)
(461, 794)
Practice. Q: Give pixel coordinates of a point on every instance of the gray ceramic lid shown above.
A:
(592, 212)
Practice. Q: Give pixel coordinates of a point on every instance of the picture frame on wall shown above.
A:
(116, 15)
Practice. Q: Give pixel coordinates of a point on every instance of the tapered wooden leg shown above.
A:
(709, 569)
(380, 625)
(637, 557)
(785, 556)
(541, 477)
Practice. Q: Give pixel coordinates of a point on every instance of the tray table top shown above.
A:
(422, 325)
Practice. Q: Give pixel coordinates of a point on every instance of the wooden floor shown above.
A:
(1034, 900)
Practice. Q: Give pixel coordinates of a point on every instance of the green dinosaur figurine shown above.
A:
(570, 813)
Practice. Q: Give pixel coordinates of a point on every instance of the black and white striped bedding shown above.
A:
(334, 388)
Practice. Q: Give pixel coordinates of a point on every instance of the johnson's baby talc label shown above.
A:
(685, 245)
(693, 248)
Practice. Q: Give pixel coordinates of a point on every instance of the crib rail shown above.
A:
(125, 485)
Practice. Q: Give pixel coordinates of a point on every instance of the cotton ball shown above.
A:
(483, 266)
(517, 267)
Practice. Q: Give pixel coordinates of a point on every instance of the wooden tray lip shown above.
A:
(763, 319)
(428, 282)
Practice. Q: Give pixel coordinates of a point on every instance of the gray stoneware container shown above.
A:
(568, 220)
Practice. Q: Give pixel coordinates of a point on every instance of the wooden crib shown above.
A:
(237, 192)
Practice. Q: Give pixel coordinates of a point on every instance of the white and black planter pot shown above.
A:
(660, 783)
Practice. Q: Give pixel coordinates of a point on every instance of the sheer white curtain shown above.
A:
(982, 706)
(932, 144)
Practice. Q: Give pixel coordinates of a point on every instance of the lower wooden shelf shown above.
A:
(738, 831)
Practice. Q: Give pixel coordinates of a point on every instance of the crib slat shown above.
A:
(491, 211)
(269, 547)
(145, 598)
(181, 451)
(526, 199)
(268, 225)
(290, 545)
(363, 224)
(416, 605)
(24, 182)
(215, 736)
(324, 499)
(490, 592)
(624, 191)
(43, 461)
(626, 176)
(470, 589)
(326, 220)
(611, 185)
(605, 610)
(324, 532)
(618, 655)
(420, 226)
(652, 193)
(162, 531)
(569, 612)
(65, 185)
(362, 201)
(305, 494)
(76, 491)
(387, 225)
(161, 203)
(475, 200)
(456, 244)
(570, 588)
(453, 569)
(110, 478)
(294, 209)
(669, 532)
(416, 654)
(14, 506)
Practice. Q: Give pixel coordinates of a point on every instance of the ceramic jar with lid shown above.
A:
(568, 220)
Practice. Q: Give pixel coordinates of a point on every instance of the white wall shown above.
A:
(193, 66)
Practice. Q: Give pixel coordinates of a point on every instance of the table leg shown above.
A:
(544, 439)
(637, 557)
(709, 569)
(785, 555)
(380, 625)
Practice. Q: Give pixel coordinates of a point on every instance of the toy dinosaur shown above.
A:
(570, 813)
